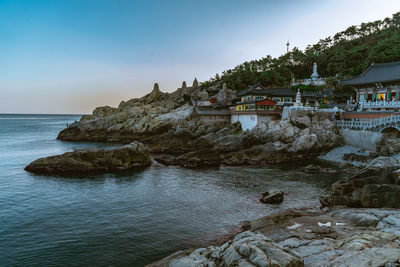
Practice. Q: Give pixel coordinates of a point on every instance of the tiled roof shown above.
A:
(376, 73)
(259, 90)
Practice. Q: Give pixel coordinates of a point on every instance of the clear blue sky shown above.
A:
(70, 56)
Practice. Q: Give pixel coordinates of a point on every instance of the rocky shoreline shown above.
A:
(167, 127)
(335, 237)
(353, 227)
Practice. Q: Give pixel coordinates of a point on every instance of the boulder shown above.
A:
(272, 197)
(132, 156)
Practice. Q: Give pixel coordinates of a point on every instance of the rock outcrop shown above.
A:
(132, 156)
(169, 124)
(339, 237)
(375, 186)
(246, 249)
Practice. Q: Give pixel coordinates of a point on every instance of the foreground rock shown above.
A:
(339, 237)
(272, 197)
(375, 186)
(134, 155)
(246, 249)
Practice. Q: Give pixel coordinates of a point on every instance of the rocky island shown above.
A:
(128, 157)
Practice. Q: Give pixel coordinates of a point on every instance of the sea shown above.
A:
(126, 219)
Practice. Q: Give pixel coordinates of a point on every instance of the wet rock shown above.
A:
(272, 197)
(371, 187)
(193, 160)
(380, 195)
(132, 156)
(312, 168)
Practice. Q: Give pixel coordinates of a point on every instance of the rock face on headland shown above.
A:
(169, 124)
(134, 155)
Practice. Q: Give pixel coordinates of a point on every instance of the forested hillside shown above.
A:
(345, 54)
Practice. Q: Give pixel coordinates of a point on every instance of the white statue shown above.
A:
(314, 75)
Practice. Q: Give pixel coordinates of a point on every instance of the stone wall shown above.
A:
(246, 121)
(361, 139)
(215, 118)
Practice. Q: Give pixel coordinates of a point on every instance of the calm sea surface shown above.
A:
(129, 219)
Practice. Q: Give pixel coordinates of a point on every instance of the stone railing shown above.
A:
(210, 111)
(375, 124)
(288, 110)
(380, 104)
(335, 109)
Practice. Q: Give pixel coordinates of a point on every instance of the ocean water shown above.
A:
(129, 219)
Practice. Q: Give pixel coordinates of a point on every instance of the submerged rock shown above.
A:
(134, 155)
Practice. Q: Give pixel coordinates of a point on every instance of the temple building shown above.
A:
(254, 96)
(377, 87)
(258, 104)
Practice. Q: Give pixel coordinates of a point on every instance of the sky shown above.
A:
(70, 56)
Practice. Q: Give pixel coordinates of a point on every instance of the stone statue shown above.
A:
(315, 75)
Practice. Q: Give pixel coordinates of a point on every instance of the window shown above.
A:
(276, 99)
(287, 99)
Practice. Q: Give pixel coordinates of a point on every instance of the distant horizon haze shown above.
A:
(68, 57)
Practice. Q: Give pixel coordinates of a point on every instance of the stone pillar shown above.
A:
(357, 96)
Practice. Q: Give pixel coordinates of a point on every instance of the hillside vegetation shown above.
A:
(345, 54)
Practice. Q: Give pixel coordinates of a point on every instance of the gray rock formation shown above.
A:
(168, 124)
(272, 197)
(372, 187)
(132, 156)
(246, 249)
(339, 237)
